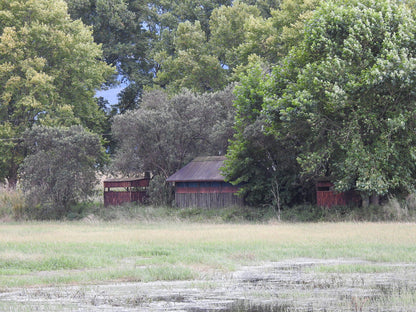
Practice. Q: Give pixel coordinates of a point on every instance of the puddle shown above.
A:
(291, 285)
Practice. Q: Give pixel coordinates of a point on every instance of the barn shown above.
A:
(201, 184)
(125, 190)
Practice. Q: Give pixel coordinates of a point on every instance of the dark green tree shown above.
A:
(351, 83)
(120, 26)
(60, 170)
(266, 168)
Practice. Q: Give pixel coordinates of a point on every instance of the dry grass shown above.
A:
(56, 232)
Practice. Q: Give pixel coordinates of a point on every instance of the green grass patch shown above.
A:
(54, 253)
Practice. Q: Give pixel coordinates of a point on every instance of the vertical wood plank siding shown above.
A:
(119, 191)
(327, 197)
(207, 200)
(201, 184)
(117, 198)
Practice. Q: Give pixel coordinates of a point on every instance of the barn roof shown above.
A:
(200, 169)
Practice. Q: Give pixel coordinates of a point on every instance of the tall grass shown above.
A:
(61, 253)
(12, 203)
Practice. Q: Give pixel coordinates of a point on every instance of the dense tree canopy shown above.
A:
(120, 26)
(264, 165)
(321, 88)
(351, 84)
(50, 69)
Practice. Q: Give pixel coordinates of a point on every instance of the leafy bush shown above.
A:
(60, 171)
(160, 192)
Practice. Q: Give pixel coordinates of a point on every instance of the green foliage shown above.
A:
(50, 69)
(118, 26)
(265, 167)
(192, 66)
(350, 85)
(289, 24)
(237, 33)
(228, 31)
(160, 192)
(60, 170)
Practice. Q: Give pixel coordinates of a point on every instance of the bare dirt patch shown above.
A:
(291, 285)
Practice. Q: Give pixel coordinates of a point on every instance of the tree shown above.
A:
(228, 32)
(192, 66)
(166, 133)
(269, 39)
(60, 170)
(120, 26)
(132, 32)
(289, 22)
(265, 168)
(351, 84)
(238, 33)
(50, 69)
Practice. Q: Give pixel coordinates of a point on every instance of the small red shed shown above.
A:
(127, 190)
(326, 196)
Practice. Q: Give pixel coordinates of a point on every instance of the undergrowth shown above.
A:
(390, 211)
(12, 207)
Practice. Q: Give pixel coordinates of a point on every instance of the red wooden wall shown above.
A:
(119, 191)
(327, 197)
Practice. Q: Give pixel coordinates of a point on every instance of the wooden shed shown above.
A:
(326, 196)
(127, 190)
(201, 184)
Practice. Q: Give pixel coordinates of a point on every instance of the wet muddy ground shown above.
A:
(291, 285)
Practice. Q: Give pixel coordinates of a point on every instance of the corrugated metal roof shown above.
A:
(200, 169)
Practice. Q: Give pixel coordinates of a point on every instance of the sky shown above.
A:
(111, 94)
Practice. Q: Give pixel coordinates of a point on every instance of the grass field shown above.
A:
(54, 253)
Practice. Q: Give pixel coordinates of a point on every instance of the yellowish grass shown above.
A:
(384, 233)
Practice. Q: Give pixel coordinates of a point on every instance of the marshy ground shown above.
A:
(198, 267)
(289, 285)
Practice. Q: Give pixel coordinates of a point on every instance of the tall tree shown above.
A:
(261, 158)
(351, 83)
(266, 168)
(192, 66)
(122, 27)
(228, 31)
(50, 69)
(132, 32)
(237, 34)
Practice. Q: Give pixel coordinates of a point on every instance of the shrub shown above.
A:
(60, 170)
(160, 192)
